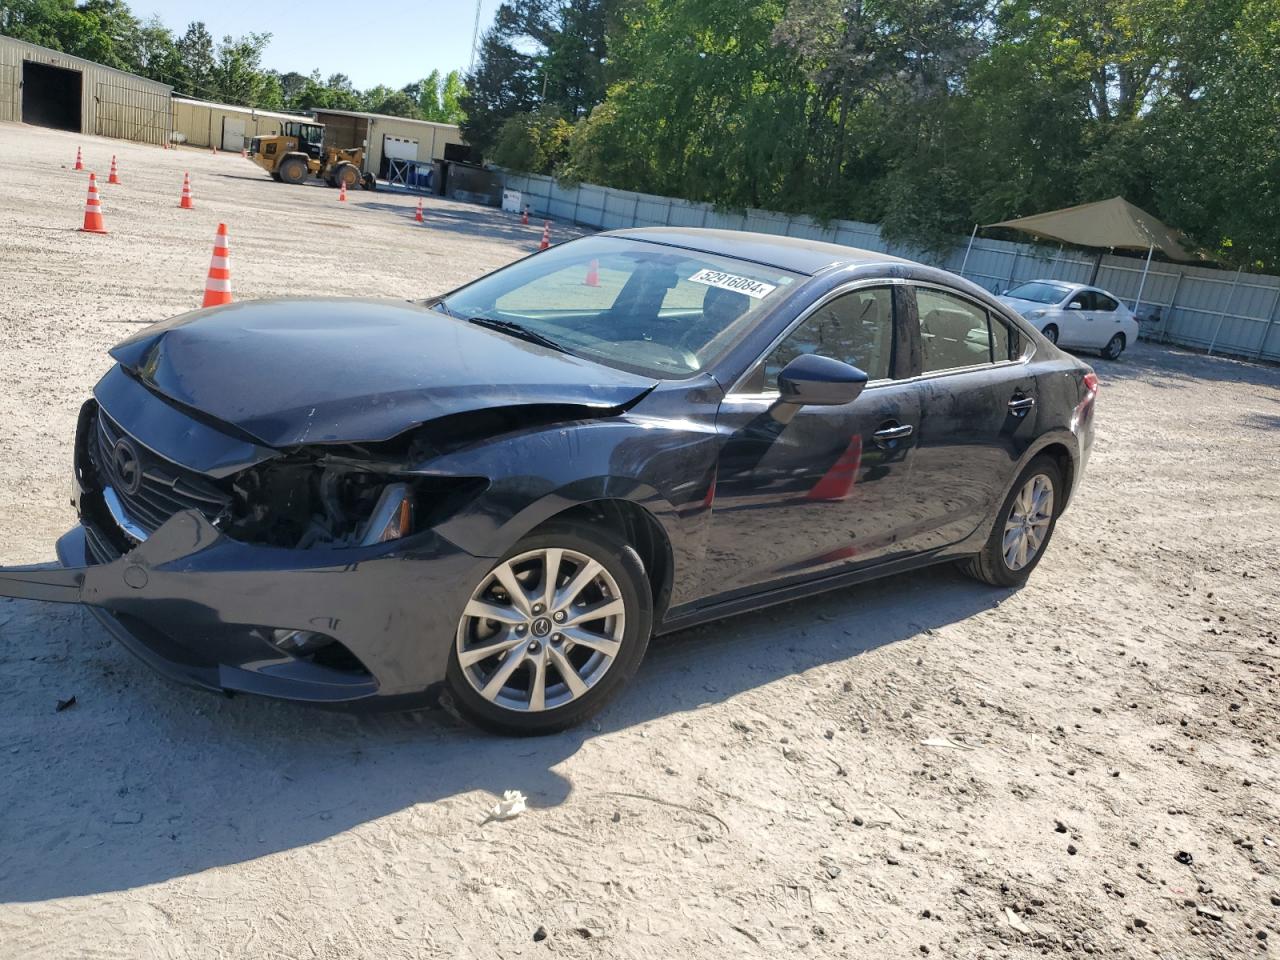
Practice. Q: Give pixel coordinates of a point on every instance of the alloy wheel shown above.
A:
(541, 630)
(1028, 523)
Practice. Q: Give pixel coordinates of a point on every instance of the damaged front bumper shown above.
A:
(209, 611)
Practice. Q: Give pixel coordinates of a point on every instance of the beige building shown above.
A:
(51, 89)
(385, 137)
(204, 124)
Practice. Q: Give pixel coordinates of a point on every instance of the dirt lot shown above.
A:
(922, 766)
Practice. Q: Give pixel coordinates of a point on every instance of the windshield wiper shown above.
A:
(513, 329)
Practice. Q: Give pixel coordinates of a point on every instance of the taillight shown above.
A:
(1091, 382)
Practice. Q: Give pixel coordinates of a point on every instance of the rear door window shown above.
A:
(954, 332)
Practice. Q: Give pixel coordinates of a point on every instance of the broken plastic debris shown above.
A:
(510, 806)
(1015, 921)
(64, 704)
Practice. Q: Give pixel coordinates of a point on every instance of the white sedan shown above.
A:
(1075, 315)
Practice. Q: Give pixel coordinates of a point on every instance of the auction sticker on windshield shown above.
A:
(728, 281)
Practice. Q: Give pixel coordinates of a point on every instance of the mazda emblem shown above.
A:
(126, 467)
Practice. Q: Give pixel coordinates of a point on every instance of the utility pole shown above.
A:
(475, 36)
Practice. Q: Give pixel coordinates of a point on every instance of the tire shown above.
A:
(1051, 333)
(293, 170)
(1114, 347)
(992, 565)
(348, 173)
(509, 708)
(275, 175)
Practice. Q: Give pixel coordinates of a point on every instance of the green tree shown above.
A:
(195, 48)
(451, 97)
(537, 141)
(237, 76)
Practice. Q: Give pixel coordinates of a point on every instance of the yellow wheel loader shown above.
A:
(298, 153)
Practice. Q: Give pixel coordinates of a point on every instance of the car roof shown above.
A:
(1064, 284)
(1072, 287)
(794, 254)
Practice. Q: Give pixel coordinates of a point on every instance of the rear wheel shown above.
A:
(1023, 527)
(1051, 333)
(1114, 347)
(551, 632)
(293, 170)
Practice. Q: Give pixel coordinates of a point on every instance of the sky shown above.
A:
(371, 43)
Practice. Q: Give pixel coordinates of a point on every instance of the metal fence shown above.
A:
(1222, 311)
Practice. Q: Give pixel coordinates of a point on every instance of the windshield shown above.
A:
(650, 309)
(1039, 291)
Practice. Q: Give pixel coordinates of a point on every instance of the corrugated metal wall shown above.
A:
(344, 131)
(201, 124)
(1225, 311)
(113, 103)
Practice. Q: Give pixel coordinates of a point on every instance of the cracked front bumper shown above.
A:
(200, 608)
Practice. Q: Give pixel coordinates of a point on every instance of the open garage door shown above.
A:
(233, 133)
(51, 96)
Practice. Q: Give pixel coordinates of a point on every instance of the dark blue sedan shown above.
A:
(509, 489)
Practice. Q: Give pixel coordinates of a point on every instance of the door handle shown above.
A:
(1019, 406)
(897, 431)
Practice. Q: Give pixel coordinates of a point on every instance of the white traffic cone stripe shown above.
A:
(218, 286)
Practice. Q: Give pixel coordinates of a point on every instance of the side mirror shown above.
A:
(811, 380)
(1075, 305)
(1002, 293)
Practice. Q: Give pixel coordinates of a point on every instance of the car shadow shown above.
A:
(142, 780)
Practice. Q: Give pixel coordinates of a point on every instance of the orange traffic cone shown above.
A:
(342, 191)
(113, 178)
(418, 216)
(546, 235)
(185, 203)
(93, 210)
(593, 275)
(524, 217)
(217, 288)
(79, 163)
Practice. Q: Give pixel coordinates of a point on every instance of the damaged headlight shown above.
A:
(392, 516)
(303, 502)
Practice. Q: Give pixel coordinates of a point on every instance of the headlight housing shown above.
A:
(1036, 314)
(304, 501)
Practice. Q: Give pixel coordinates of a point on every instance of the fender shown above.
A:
(613, 453)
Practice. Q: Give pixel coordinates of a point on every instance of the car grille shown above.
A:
(160, 488)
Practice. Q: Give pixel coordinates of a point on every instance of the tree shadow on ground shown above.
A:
(1172, 367)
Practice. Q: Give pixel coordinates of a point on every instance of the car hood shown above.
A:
(289, 372)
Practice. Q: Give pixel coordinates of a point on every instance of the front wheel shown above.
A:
(551, 632)
(1023, 527)
(346, 173)
(1114, 347)
(1051, 334)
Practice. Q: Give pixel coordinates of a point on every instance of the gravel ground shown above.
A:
(920, 766)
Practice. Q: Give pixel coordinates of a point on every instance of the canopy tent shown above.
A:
(1106, 224)
(1114, 223)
